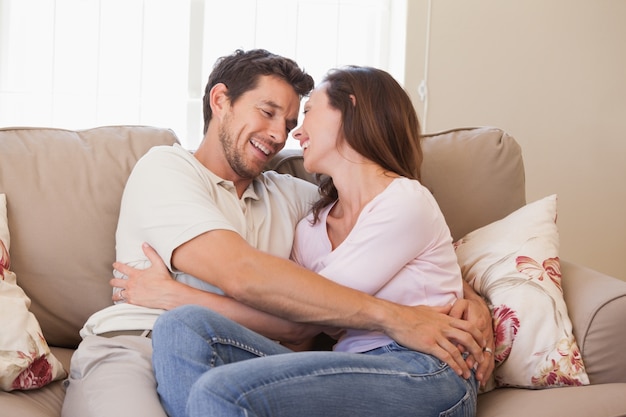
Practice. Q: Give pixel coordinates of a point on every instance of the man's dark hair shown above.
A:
(240, 72)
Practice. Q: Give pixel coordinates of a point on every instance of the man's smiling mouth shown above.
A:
(261, 147)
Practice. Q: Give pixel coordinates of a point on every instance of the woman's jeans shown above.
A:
(201, 363)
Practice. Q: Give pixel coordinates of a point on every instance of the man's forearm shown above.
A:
(268, 325)
(153, 287)
(276, 285)
(280, 287)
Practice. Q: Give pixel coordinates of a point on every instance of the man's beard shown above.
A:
(233, 156)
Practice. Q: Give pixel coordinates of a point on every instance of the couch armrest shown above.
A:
(596, 304)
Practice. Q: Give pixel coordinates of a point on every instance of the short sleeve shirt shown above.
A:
(171, 198)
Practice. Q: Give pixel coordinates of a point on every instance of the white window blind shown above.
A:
(83, 63)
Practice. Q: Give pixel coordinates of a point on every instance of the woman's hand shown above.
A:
(434, 331)
(475, 310)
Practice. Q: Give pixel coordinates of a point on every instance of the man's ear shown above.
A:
(219, 99)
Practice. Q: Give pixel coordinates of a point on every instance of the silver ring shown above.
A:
(122, 298)
(489, 351)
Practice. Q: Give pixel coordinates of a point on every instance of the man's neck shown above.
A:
(215, 161)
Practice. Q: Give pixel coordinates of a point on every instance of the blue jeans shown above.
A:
(202, 366)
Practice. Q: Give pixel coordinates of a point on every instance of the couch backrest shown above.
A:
(475, 174)
(63, 194)
(64, 188)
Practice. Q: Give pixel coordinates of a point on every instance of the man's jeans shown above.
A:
(201, 363)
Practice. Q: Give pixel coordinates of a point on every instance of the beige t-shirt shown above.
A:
(170, 198)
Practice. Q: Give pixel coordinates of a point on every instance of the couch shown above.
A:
(63, 190)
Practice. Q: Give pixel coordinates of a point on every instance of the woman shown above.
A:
(376, 229)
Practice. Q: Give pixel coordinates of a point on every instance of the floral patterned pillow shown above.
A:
(25, 358)
(514, 264)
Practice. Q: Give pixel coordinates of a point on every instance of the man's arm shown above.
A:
(153, 287)
(284, 289)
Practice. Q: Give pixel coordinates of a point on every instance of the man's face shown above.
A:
(255, 128)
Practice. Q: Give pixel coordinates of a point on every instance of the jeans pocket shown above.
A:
(466, 407)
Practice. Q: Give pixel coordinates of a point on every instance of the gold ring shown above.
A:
(489, 351)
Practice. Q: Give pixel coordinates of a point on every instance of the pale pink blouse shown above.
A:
(400, 249)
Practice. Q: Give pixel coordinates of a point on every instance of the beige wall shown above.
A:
(552, 74)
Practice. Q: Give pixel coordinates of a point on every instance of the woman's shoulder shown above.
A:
(410, 195)
(408, 188)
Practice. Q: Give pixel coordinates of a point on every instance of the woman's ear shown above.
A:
(218, 99)
(353, 99)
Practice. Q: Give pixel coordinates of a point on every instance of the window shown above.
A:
(83, 63)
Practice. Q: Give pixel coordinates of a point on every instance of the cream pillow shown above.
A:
(25, 358)
(514, 264)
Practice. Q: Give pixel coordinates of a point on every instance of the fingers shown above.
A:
(117, 282)
(467, 338)
(486, 366)
(450, 354)
(119, 296)
(152, 256)
(123, 268)
(449, 339)
(474, 332)
(459, 309)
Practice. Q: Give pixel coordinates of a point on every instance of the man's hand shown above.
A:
(151, 287)
(155, 288)
(474, 309)
(434, 331)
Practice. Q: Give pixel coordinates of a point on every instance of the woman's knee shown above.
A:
(188, 315)
(172, 325)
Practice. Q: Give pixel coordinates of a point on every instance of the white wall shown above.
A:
(552, 74)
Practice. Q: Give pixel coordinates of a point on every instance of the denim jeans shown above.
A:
(208, 365)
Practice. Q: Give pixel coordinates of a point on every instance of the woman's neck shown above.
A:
(357, 184)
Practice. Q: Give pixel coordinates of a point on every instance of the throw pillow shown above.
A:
(514, 264)
(25, 358)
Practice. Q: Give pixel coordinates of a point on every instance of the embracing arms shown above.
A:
(155, 288)
(281, 288)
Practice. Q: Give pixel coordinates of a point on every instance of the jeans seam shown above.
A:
(234, 343)
(242, 399)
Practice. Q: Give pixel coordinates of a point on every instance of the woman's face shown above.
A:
(319, 132)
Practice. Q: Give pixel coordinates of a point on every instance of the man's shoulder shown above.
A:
(286, 181)
(285, 187)
(161, 156)
(162, 150)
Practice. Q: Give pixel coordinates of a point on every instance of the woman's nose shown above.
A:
(297, 134)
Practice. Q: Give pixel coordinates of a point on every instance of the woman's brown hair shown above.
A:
(378, 121)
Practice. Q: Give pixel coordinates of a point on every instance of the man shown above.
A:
(224, 227)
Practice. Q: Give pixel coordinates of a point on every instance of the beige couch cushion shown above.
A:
(476, 175)
(63, 192)
(597, 307)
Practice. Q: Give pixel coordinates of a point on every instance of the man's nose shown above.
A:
(279, 132)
